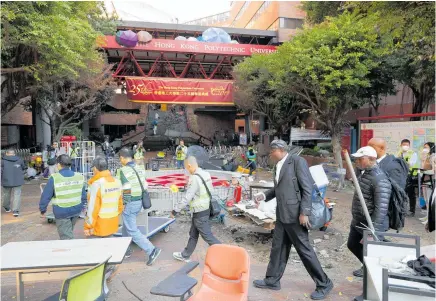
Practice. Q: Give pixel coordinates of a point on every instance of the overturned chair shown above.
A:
(225, 277)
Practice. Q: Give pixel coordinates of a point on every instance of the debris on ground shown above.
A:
(324, 254)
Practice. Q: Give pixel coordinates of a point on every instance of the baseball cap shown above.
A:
(275, 144)
(367, 151)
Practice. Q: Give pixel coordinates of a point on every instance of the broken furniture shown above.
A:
(379, 284)
(225, 277)
(56, 259)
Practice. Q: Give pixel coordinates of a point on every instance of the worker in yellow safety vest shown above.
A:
(132, 178)
(139, 153)
(181, 152)
(198, 197)
(74, 154)
(105, 201)
(412, 180)
(66, 190)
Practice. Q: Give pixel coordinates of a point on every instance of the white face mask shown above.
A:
(405, 148)
(425, 150)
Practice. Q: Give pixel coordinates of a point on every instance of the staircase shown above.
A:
(170, 126)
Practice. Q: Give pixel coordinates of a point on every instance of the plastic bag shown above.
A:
(31, 172)
(320, 214)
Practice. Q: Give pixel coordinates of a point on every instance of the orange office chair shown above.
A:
(225, 277)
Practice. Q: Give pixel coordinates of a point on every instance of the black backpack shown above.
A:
(397, 206)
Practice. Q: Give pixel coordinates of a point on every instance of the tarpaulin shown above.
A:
(178, 91)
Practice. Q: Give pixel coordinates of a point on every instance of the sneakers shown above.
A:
(16, 213)
(7, 209)
(178, 256)
(153, 256)
(423, 219)
(358, 272)
(321, 293)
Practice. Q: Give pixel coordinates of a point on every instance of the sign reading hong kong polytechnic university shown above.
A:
(195, 47)
(185, 91)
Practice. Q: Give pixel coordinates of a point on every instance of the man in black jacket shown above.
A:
(291, 174)
(12, 175)
(376, 190)
(396, 168)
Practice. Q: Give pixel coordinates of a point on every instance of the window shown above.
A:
(240, 13)
(262, 9)
(211, 20)
(291, 23)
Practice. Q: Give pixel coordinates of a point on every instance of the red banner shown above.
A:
(194, 47)
(178, 91)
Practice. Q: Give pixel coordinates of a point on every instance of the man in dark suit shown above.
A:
(396, 168)
(293, 186)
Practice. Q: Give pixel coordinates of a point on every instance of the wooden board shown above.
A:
(62, 253)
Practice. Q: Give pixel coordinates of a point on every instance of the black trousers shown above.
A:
(411, 184)
(286, 235)
(200, 226)
(354, 244)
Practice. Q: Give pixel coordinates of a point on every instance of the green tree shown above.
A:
(317, 11)
(47, 41)
(331, 68)
(253, 93)
(409, 29)
(68, 102)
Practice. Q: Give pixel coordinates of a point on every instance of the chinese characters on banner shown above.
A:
(162, 90)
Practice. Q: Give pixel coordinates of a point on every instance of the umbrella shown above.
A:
(128, 38)
(216, 35)
(180, 38)
(144, 36)
(118, 36)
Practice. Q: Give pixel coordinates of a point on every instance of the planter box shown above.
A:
(311, 161)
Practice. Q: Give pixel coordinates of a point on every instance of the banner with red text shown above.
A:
(178, 91)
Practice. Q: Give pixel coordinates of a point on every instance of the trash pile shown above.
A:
(128, 38)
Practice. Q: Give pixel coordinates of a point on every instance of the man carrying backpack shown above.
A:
(376, 190)
(395, 168)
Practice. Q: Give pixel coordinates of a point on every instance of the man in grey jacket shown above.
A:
(12, 174)
(293, 186)
(197, 196)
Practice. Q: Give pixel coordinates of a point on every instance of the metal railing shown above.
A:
(23, 153)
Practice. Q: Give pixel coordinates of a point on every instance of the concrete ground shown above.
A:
(139, 278)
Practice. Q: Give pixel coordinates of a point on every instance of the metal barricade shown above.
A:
(82, 153)
(23, 153)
